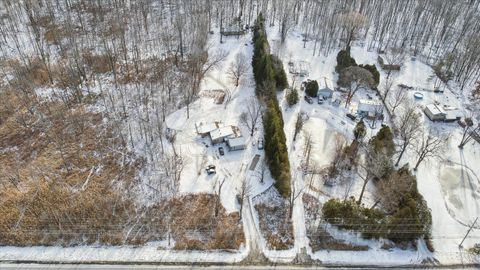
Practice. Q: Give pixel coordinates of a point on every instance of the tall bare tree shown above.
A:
(408, 128)
(431, 144)
(252, 117)
(238, 69)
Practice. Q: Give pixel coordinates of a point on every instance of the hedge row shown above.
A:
(269, 76)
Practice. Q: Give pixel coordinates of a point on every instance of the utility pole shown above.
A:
(471, 227)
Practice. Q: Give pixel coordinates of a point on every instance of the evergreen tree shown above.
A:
(311, 88)
(292, 97)
(344, 60)
(383, 142)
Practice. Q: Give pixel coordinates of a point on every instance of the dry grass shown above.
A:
(64, 180)
(275, 225)
(196, 227)
(48, 154)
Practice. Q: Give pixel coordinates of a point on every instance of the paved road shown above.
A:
(164, 267)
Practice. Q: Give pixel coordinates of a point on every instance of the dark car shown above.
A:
(220, 151)
(351, 116)
(308, 99)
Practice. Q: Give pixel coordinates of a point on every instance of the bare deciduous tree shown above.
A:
(237, 69)
(245, 190)
(352, 23)
(469, 131)
(431, 144)
(252, 117)
(355, 78)
(408, 128)
(376, 166)
(299, 124)
(396, 98)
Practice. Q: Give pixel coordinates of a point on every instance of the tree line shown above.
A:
(269, 77)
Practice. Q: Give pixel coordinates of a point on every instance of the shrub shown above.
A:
(360, 131)
(311, 88)
(411, 220)
(344, 60)
(374, 71)
(292, 97)
(383, 141)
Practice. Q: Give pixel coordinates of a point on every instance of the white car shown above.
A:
(260, 144)
(211, 169)
(320, 100)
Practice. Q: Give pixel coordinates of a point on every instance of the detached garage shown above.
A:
(434, 112)
(236, 143)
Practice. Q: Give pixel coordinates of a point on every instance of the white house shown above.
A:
(221, 134)
(370, 108)
(237, 143)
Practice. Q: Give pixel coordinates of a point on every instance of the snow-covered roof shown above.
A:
(222, 132)
(203, 127)
(326, 89)
(370, 105)
(452, 114)
(434, 109)
(236, 142)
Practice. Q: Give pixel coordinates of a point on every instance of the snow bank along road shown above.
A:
(168, 267)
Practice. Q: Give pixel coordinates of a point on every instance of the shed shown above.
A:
(435, 112)
(370, 108)
(325, 93)
(452, 115)
(237, 143)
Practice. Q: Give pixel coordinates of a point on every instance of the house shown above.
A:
(325, 93)
(237, 143)
(435, 112)
(203, 129)
(221, 134)
(370, 108)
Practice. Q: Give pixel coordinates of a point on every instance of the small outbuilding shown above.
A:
(435, 112)
(237, 143)
(370, 108)
(325, 93)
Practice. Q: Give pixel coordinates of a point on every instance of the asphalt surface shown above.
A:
(7, 266)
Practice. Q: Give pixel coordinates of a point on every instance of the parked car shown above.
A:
(320, 100)
(351, 116)
(308, 99)
(260, 144)
(220, 151)
(211, 169)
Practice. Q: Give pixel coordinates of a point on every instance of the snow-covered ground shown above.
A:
(450, 185)
(451, 192)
